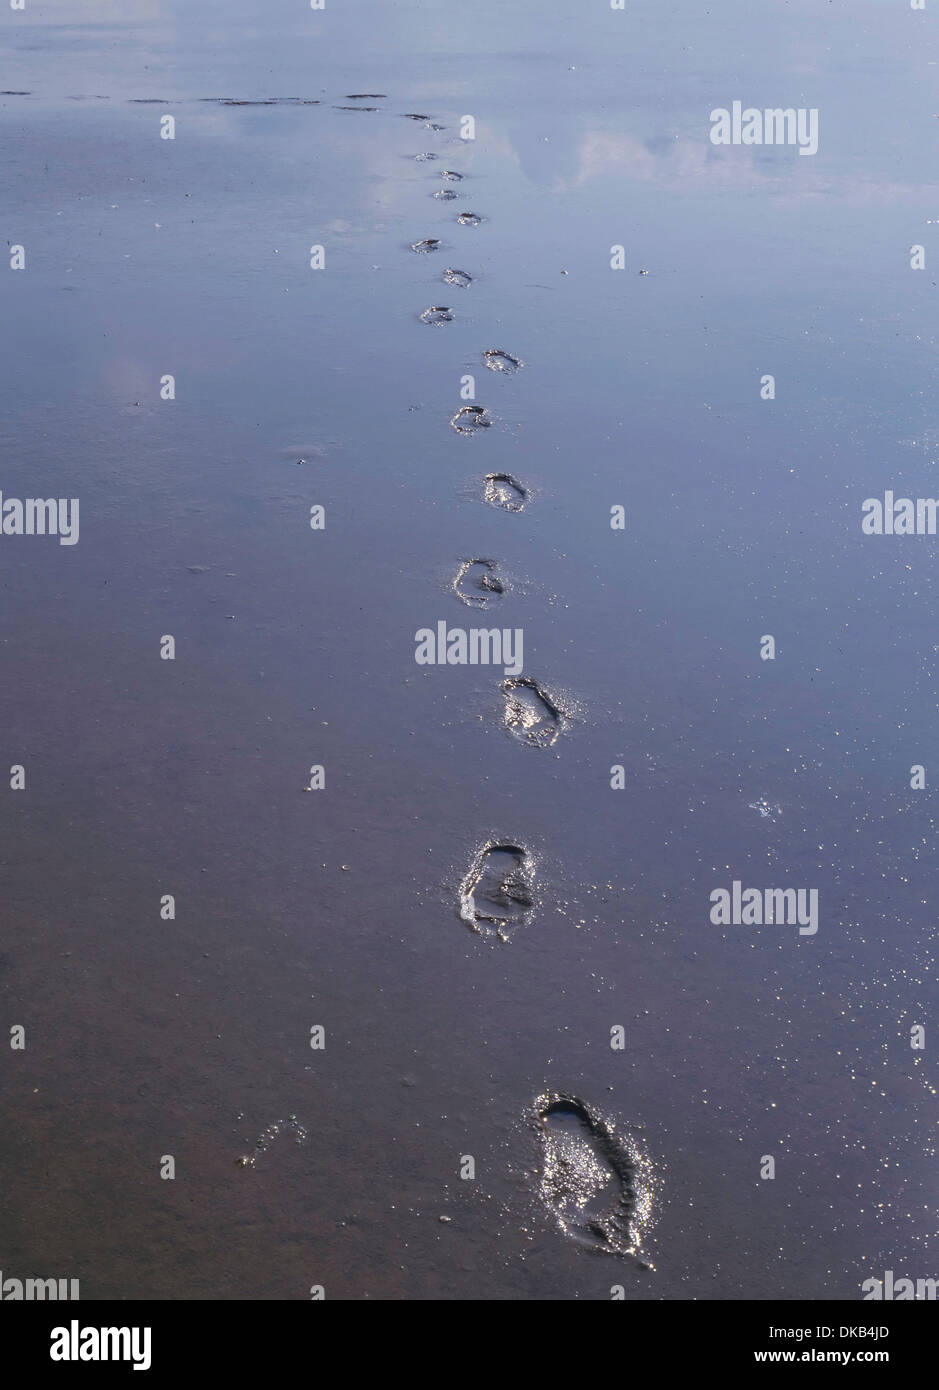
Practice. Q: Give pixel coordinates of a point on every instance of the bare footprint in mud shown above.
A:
(476, 584)
(496, 895)
(499, 361)
(502, 490)
(264, 1140)
(470, 418)
(457, 277)
(530, 713)
(437, 313)
(595, 1184)
(430, 243)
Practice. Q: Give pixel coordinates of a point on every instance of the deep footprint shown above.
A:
(470, 418)
(530, 713)
(457, 277)
(477, 584)
(596, 1185)
(496, 895)
(502, 490)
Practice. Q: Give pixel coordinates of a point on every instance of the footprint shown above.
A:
(437, 313)
(496, 895)
(476, 584)
(499, 361)
(597, 1186)
(356, 108)
(445, 195)
(431, 125)
(426, 155)
(365, 96)
(264, 1140)
(414, 116)
(470, 418)
(469, 219)
(530, 713)
(430, 243)
(502, 490)
(452, 175)
(269, 101)
(457, 277)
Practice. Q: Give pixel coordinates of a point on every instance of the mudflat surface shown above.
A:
(340, 908)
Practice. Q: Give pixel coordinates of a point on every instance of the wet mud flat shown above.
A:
(362, 985)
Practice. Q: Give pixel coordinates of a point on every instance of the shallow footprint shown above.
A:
(530, 713)
(470, 418)
(428, 244)
(264, 1140)
(502, 490)
(469, 219)
(496, 895)
(457, 277)
(476, 583)
(452, 175)
(437, 313)
(445, 195)
(596, 1186)
(499, 361)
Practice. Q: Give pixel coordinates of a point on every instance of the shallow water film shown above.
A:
(468, 549)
